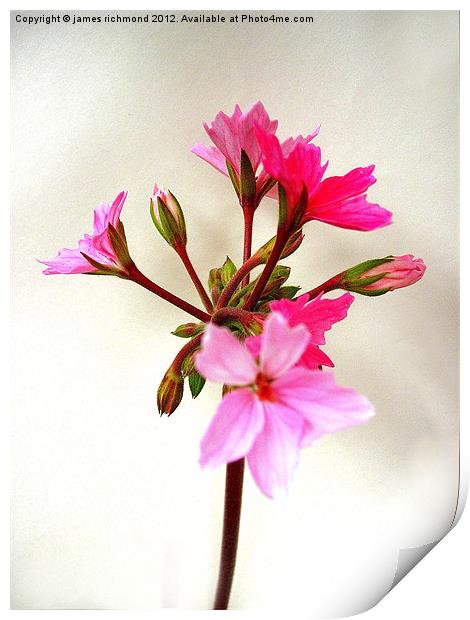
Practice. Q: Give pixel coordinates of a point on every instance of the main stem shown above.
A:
(231, 528)
(233, 482)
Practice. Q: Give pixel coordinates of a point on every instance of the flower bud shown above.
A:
(291, 246)
(188, 330)
(378, 276)
(167, 215)
(170, 392)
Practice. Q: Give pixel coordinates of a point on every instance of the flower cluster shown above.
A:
(257, 336)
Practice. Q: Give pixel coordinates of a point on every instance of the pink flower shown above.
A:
(340, 201)
(318, 316)
(396, 272)
(97, 246)
(276, 408)
(232, 134)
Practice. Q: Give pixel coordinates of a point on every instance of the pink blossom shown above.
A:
(97, 245)
(276, 408)
(401, 271)
(340, 201)
(232, 134)
(318, 316)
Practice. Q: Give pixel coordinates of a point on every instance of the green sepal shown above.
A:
(288, 292)
(118, 241)
(358, 270)
(227, 270)
(233, 177)
(369, 293)
(247, 177)
(362, 282)
(300, 208)
(283, 207)
(103, 270)
(196, 383)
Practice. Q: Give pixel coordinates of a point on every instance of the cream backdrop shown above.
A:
(110, 509)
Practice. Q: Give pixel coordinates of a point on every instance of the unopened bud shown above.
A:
(170, 392)
(167, 215)
(381, 275)
(293, 243)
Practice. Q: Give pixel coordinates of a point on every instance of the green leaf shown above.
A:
(196, 383)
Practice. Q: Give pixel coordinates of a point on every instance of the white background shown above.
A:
(431, 465)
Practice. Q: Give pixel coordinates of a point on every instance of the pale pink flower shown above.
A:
(340, 201)
(97, 245)
(401, 271)
(276, 408)
(232, 134)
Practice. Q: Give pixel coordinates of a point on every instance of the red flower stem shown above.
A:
(183, 254)
(238, 314)
(240, 275)
(330, 285)
(234, 471)
(231, 528)
(138, 277)
(281, 240)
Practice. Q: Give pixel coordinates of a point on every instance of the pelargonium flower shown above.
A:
(340, 201)
(276, 408)
(232, 134)
(97, 246)
(318, 316)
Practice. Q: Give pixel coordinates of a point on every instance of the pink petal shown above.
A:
(67, 261)
(212, 155)
(354, 183)
(352, 213)
(233, 429)
(282, 345)
(314, 357)
(224, 359)
(275, 452)
(326, 406)
(318, 315)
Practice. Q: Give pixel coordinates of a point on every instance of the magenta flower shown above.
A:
(276, 408)
(97, 246)
(318, 316)
(340, 201)
(232, 134)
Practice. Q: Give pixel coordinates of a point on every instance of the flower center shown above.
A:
(263, 388)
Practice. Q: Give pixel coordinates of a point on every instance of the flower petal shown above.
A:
(212, 155)
(282, 345)
(352, 213)
(326, 406)
(224, 359)
(275, 452)
(233, 429)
